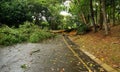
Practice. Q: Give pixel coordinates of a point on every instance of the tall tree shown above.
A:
(100, 16)
(104, 16)
(14, 12)
(113, 5)
(92, 16)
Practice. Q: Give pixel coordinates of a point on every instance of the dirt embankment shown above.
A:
(106, 48)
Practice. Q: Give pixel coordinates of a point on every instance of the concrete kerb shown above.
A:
(104, 65)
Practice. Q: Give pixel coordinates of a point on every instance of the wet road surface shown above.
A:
(48, 56)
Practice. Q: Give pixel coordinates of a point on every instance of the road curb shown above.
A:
(102, 64)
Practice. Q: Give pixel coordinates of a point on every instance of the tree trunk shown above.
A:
(104, 16)
(101, 21)
(113, 2)
(100, 17)
(92, 16)
(84, 19)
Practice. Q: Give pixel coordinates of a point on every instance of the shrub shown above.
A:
(26, 32)
(9, 36)
(34, 37)
(82, 29)
(39, 36)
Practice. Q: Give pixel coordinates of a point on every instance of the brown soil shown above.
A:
(106, 48)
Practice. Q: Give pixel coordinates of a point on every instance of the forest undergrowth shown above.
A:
(28, 32)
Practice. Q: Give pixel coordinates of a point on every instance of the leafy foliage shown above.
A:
(39, 36)
(14, 12)
(68, 23)
(82, 28)
(26, 32)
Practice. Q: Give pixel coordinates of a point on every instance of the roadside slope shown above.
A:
(106, 48)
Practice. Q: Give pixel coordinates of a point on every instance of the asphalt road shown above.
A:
(52, 55)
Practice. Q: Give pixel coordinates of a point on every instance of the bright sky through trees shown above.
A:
(66, 11)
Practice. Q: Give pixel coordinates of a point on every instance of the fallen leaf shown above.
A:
(62, 70)
(52, 69)
(24, 66)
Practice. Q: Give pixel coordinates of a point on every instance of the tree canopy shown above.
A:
(99, 14)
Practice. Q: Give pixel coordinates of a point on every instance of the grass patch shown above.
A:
(28, 32)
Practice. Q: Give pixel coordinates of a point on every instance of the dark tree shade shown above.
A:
(14, 12)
